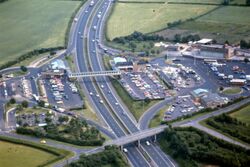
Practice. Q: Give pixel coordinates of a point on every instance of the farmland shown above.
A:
(32, 24)
(22, 156)
(210, 21)
(127, 17)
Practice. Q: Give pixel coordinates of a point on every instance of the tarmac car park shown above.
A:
(143, 85)
(183, 105)
(61, 92)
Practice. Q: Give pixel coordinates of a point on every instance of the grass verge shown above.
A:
(157, 120)
(137, 108)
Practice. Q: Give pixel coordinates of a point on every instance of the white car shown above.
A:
(102, 86)
(97, 95)
(91, 93)
(101, 101)
(147, 142)
(116, 103)
(125, 150)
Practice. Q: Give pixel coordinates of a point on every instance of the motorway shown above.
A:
(81, 42)
(90, 34)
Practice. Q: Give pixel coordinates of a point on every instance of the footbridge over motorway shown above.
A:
(94, 74)
(136, 137)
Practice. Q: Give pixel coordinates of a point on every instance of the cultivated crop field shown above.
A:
(149, 17)
(32, 24)
(214, 21)
(22, 156)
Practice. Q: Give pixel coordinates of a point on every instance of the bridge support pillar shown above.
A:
(139, 143)
(155, 137)
(121, 147)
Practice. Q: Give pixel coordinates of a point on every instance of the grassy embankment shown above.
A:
(158, 117)
(24, 29)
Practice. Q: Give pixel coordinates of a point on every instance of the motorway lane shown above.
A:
(107, 92)
(89, 86)
(2, 125)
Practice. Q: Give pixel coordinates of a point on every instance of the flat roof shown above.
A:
(204, 41)
(119, 60)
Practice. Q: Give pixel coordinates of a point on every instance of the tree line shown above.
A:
(111, 156)
(244, 44)
(77, 132)
(225, 123)
(28, 55)
(138, 36)
(195, 146)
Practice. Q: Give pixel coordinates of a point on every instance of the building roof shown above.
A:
(204, 41)
(199, 91)
(119, 60)
(58, 64)
(120, 64)
(142, 62)
(212, 97)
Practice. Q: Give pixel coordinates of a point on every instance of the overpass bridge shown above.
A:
(136, 137)
(94, 74)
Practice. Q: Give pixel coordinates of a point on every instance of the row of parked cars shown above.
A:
(57, 89)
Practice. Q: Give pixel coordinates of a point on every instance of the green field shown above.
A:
(130, 17)
(233, 90)
(33, 24)
(222, 23)
(14, 155)
(242, 115)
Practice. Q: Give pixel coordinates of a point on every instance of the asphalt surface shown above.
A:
(91, 88)
(104, 84)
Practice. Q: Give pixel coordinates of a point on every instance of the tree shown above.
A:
(226, 2)
(62, 119)
(12, 101)
(24, 69)
(246, 60)
(25, 104)
(19, 107)
(244, 44)
(221, 88)
(226, 42)
(41, 103)
(177, 38)
(248, 2)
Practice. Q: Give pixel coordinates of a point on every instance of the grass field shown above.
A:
(146, 18)
(219, 24)
(32, 24)
(243, 114)
(232, 90)
(22, 156)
